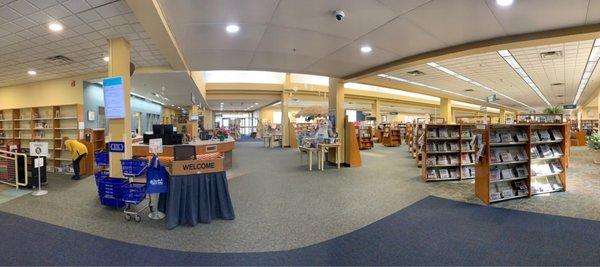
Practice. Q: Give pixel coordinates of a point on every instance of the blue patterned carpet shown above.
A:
(433, 231)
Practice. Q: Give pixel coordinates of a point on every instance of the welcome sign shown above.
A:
(187, 167)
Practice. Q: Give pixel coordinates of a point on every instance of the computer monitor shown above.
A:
(175, 129)
(168, 128)
(158, 129)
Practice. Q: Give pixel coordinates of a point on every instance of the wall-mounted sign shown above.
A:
(116, 147)
(393, 113)
(482, 108)
(569, 106)
(38, 149)
(114, 97)
(491, 98)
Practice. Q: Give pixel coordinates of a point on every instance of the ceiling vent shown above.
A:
(469, 90)
(59, 60)
(416, 73)
(550, 55)
(557, 84)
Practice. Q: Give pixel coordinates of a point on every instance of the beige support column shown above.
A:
(377, 111)
(336, 105)
(194, 110)
(579, 116)
(502, 116)
(120, 129)
(285, 120)
(446, 109)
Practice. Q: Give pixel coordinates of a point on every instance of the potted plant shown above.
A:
(222, 133)
(593, 143)
(556, 110)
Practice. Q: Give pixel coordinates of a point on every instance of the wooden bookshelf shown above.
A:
(499, 179)
(441, 153)
(42, 124)
(364, 138)
(390, 136)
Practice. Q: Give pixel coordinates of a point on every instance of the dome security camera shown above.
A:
(339, 15)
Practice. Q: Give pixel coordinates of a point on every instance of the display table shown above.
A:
(202, 147)
(197, 198)
(328, 148)
(309, 151)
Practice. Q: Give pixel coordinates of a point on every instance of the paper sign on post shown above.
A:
(38, 162)
(156, 146)
(38, 149)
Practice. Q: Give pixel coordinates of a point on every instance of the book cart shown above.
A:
(364, 138)
(520, 160)
(391, 136)
(448, 153)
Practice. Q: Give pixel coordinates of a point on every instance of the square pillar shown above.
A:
(377, 111)
(502, 116)
(336, 106)
(120, 129)
(446, 109)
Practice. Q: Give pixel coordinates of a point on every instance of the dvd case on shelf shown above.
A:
(444, 174)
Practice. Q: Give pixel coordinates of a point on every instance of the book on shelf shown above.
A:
(507, 193)
(521, 187)
(432, 174)
(506, 156)
(555, 183)
(432, 147)
(467, 158)
(535, 137)
(522, 171)
(556, 166)
(431, 161)
(540, 169)
(494, 157)
(495, 196)
(494, 174)
(521, 155)
(454, 160)
(506, 189)
(444, 174)
(443, 133)
(521, 137)
(443, 160)
(453, 173)
(468, 171)
(556, 150)
(432, 133)
(465, 134)
(466, 146)
(544, 135)
(454, 146)
(507, 173)
(495, 138)
(454, 134)
(442, 146)
(534, 152)
(506, 137)
(546, 151)
(557, 134)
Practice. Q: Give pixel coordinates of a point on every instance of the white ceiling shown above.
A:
(304, 37)
(177, 87)
(492, 70)
(26, 41)
(238, 105)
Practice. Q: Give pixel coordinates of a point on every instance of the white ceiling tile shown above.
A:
(223, 11)
(96, 3)
(108, 11)
(116, 21)
(83, 29)
(299, 42)
(8, 14)
(540, 15)
(99, 25)
(219, 59)
(57, 11)
(23, 7)
(76, 6)
(316, 15)
(71, 21)
(27, 34)
(89, 16)
(393, 37)
(213, 36)
(25, 22)
(403, 6)
(593, 12)
(458, 21)
(11, 27)
(42, 4)
(280, 61)
(334, 67)
(40, 17)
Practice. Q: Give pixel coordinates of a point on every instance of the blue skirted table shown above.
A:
(197, 198)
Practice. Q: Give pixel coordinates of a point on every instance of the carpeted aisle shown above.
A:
(433, 231)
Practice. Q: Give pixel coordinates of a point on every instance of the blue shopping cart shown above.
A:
(133, 194)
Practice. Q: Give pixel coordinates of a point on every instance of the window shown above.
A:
(277, 117)
(351, 115)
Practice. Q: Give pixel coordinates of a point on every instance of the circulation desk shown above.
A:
(202, 148)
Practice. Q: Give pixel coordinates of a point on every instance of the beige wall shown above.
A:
(266, 113)
(167, 113)
(587, 111)
(45, 93)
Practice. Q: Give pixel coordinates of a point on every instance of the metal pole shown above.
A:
(40, 192)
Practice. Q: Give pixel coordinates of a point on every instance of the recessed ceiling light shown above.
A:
(32, 72)
(504, 2)
(366, 49)
(232, 28)
(55, 27)
(106, 59)
(255, 103)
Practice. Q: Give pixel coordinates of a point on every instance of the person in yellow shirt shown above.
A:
(78, 151)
